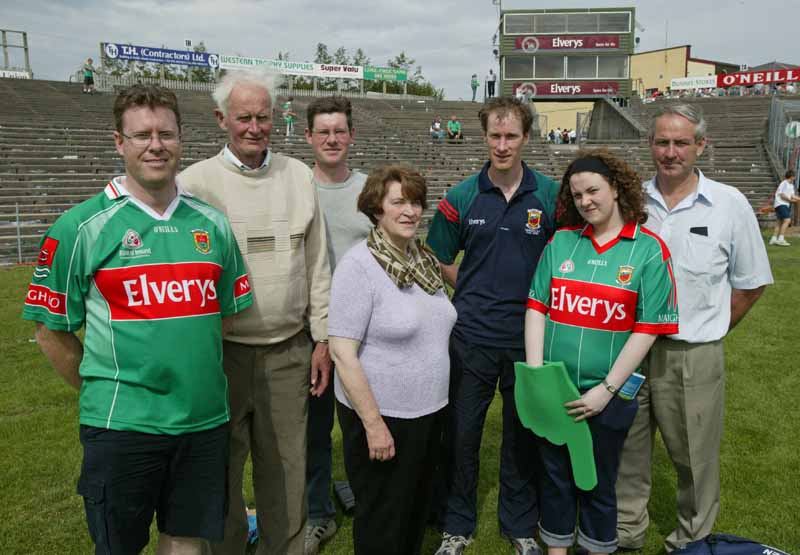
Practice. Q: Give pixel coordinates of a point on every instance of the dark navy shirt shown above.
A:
(502, 242)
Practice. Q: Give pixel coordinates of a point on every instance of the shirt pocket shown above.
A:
(700, 265)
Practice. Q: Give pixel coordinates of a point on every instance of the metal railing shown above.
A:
(105, 82)
(783, 138)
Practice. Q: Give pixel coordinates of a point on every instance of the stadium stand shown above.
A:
(56, 148)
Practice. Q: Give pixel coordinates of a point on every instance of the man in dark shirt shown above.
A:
(501, 218)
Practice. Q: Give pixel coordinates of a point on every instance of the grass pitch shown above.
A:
(40, 456)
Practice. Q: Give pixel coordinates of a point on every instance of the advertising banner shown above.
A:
(283, 67)
(566, 42)
(686, 83)
(755, 77)
(566, 88)
(13, 74)
(345, 72)
(117, 51)
(375, 73)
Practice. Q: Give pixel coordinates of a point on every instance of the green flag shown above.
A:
(540, 393)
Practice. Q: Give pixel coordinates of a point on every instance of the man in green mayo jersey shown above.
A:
(154, 275)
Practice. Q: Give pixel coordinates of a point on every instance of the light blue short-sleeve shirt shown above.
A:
(716, 246)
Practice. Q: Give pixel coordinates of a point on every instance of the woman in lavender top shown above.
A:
(389, 322)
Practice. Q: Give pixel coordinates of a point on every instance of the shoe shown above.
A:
(773, 240)
(453, 545)
(525, 546)
(317, 534)
(782, 243)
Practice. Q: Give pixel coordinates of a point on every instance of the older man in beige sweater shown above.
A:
(274, 211)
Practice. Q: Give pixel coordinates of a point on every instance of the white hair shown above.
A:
(262, 78)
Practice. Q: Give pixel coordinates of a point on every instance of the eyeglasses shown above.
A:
(340, 134)
(143, 139)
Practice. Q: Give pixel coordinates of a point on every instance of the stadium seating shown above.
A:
(56, 148)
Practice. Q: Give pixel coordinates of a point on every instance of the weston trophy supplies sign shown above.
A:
(284, 67)
(116, 51)
(566, 88)
(566, 42)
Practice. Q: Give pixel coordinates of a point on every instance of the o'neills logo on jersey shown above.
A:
(52, 301)
(592, 305)
(157, 291)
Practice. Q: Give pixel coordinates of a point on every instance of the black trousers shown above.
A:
(393, 497)
(476, 372)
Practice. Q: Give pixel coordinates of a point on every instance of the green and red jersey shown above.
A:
(151, 290)
(595, 296)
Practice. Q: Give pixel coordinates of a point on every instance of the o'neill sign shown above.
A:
(567, 42)
(756, 77)
(566, 88)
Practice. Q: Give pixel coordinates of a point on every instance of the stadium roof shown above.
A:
(769, 66)
(688, 48)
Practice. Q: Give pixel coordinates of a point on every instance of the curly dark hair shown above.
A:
(623, 179)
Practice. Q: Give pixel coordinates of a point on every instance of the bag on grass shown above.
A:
(727, 544)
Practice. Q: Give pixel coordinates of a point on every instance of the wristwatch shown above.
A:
(611, 389)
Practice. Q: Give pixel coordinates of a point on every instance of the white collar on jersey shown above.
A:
(116, 189)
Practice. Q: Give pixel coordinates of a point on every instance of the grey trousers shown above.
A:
(684, 397)
(268, 388)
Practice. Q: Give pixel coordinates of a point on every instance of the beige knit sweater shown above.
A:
(275, 215)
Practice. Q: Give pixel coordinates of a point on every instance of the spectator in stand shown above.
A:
(436, 131)
(491, 79)
(558, 136)
(390, 320)
(88, 76)
(565, 136)
(454, 129)
(572, 136)
(474, 84)
(552, 136)
(289, 116)
(784, 198)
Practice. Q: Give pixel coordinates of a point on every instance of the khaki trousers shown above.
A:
(684, 397)
(268, 388)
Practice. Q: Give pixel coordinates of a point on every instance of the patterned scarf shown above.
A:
(419, 266)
